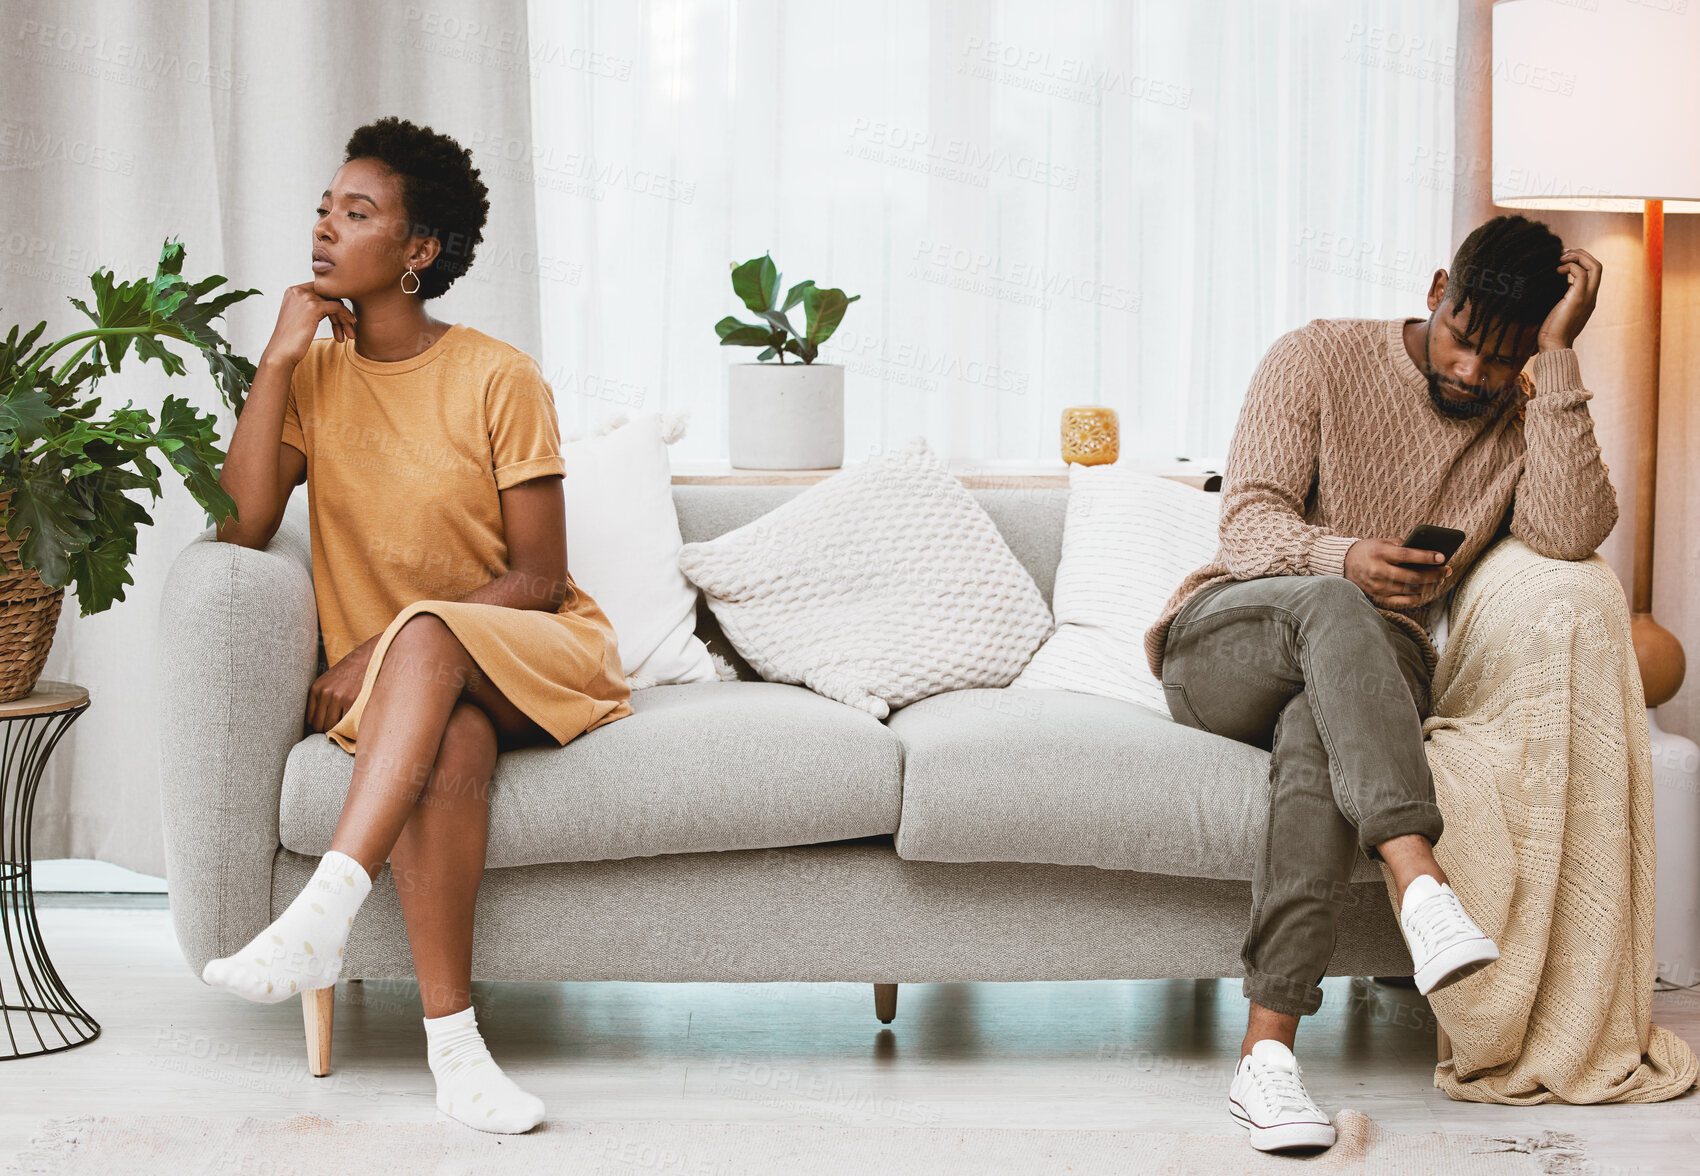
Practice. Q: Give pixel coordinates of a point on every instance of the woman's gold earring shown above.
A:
(407, 275)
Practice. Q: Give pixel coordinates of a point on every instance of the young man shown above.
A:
(1309, 634)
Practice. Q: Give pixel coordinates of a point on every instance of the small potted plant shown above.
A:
(784, 416)
(64, 469)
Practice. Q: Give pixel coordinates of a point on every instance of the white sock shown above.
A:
(470, 1085)
(302, 948)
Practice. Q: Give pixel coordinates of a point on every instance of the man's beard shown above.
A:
(1482, 401)
(1482, 404)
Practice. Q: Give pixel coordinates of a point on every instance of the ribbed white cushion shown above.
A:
(1129, 539)
(623, 546)
(879, 586)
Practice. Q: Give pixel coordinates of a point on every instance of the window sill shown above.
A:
(976, 475)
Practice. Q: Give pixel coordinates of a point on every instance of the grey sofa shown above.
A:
(738, 831)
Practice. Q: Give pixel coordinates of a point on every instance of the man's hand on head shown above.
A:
(1566, 320)
(1378, 566)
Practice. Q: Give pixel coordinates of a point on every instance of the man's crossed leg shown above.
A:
(1306, 667)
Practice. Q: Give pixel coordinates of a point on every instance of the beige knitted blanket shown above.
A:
(1542, 769)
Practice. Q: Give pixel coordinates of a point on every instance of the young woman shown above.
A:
(451, 623)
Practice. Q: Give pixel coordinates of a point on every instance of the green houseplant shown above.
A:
(757, 283)
(65, 466)
(784, 415)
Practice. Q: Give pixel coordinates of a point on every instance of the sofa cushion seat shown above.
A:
(1064, 778)
(698, 766)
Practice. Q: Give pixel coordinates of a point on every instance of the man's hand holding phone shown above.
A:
(1394, 575)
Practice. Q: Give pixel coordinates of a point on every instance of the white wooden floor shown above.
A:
(1111, 1054)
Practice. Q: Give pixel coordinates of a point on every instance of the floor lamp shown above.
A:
(1585, 104)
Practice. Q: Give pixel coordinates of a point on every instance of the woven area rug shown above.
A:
(309, 1145)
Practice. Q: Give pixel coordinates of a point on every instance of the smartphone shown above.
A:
(1427, 537)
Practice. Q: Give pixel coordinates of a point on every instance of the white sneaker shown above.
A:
(1446, 945)
(1268, 1099)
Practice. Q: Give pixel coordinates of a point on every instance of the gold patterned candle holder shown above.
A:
(1090, 435)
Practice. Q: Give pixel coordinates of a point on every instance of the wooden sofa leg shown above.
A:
(317, 1007)
(1443, 1044)
(885, 1002)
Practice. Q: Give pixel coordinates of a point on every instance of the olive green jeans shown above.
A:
(1305, 667)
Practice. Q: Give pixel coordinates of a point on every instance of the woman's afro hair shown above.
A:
(440, 190)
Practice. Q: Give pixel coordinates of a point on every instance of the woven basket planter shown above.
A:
(29, 616)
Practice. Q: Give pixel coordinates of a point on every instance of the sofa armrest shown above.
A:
(238, 652)
(1507, 584)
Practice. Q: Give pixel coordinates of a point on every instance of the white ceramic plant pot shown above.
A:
(786, 416)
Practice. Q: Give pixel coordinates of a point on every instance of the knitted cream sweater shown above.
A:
(1337, 441)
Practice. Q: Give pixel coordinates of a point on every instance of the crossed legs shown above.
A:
(428, 742)
(1306, 667)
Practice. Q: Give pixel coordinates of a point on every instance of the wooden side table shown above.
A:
(40, 1015)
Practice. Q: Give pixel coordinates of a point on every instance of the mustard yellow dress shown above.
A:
(405, 462)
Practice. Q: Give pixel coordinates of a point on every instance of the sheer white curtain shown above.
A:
(1042, 203)
(221, 124)
(1081, 201)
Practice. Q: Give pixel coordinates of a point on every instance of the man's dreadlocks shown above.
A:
(1506, 273)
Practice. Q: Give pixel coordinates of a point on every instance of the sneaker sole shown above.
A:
(1286, 1135)
(1455, 963)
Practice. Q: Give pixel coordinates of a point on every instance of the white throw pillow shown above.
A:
(881, 585)
(1129, 539)
(623, 548)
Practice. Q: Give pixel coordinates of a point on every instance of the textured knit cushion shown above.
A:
(879, 586)
(1128, 541)
(623, 549)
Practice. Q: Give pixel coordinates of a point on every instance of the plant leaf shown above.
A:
(189, 442)
(167, 307)
(25, 414)
(43, 504)
(756, 282)
(69, 470)
(233, 374)
(148, 347)
(780, 324)
(12, 360)
(101, 569)
(795, 295)
(736, 334)
(825, 310)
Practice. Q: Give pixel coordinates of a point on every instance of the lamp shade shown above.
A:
(1596, 108)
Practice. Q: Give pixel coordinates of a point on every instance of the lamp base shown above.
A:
(1676, 813)
(1659, 654)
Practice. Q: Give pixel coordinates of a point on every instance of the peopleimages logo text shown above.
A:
(964, 153)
